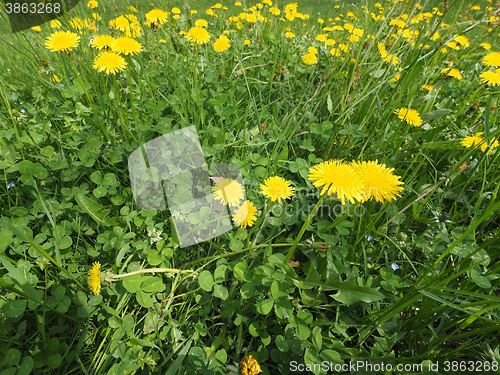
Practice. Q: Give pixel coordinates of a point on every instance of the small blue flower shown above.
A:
(368, 237)
(369, 259)
(23, 110)
(10, 185)
(394, 266)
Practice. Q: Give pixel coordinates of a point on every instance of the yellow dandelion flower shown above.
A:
(157, 16)
(391, 59)
(246, 42)
(55, 78)
(245, 215)
(176, 10)
(228, 191)
(238, 3)
(493, 143)
(462, 40)
(428, 87)
(222, 43)
(486, 45)
(312, 50)
(109, 62)
(289, 34)
(276, 188)
(94, 278)
(492, 59)
(55, 24)
(132, 8)
(126, 46)
(378, 181)
(274, 11)
(472, 141)
(310, 58)
(321, 37)
(201, 23)
(102, 41)
(411, 116)
(396, 77)
(198, 35)
(96, 16)
(36, 28)
(491, 78)
(249, 366)
(337, 177)
(452, 72)
(353, 38)
(330, 42)
(62, 41)
(176, 16)
(92, 4)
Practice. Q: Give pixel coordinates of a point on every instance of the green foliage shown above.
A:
(414, 280)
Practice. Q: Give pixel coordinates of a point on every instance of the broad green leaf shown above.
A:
(14, 309)
(429, 116)
(350, 293)
(265, 306)
(206, 280)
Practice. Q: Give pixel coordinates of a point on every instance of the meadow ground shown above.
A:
(360, 221)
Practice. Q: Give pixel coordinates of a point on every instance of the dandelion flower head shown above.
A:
(277, 188)
(337, 177)
(228, 191)
(411, 116)
(62, 41)
(198, 35)
(245, 215)
(249, 366)
(94, 278)
(379, 181)
(109, 62)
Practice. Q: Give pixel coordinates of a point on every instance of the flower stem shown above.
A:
(258, 223)
(197, 87)
(112, 277)
(303, 229)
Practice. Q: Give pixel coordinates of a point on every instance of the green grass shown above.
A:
(413, 280)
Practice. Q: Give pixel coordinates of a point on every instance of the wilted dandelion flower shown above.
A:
(102, 41)
(198, 35)
(310, 58)
(228, 191)
(337, 177)
(492, 59)
(222, 43)
(62, 41)
(276, 188)
(245, 215)
(411, 116)
(126, 46)
(109, 62)
(378, 181)
(249, 366)
(94, 278)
